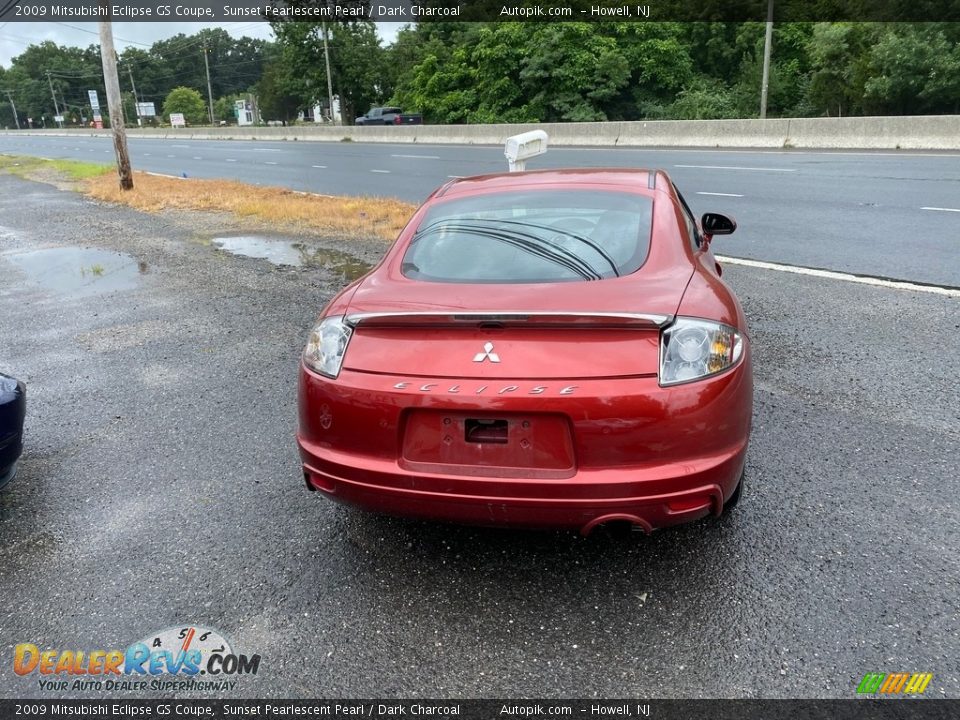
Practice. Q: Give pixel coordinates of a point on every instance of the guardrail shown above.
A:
(921, 132)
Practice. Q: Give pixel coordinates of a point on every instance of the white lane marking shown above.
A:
(846, 277)
(175, 177)
(197, 157)
(741, 151)
(720, 194)
(180, 146)
(311, 194)
(456, 177)
(230, 160)
(146, 154)
(385, 172)
(267, 150)
(322, 167)
(269, 163)
(941, 209)
(736, 167)
(418, 157)
(171, 155)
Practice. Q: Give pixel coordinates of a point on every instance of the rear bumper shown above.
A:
(572, 503)
(648, 455)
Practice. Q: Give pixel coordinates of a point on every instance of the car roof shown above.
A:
(632, 179)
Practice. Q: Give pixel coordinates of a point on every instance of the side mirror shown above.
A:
(717, 224)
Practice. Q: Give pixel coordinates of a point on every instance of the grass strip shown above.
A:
(30, 167)
(284, 209)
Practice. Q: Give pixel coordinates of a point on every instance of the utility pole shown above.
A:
(14, 108)
(114, 105)
(326, 59)
(136, 100)
(767, 41)
(206, 63)
(54, 96)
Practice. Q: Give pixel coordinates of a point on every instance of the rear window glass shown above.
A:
(531, 237)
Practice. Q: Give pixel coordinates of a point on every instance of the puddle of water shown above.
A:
(79, 272)
(340, 262)
(294, 254)
(279, 252)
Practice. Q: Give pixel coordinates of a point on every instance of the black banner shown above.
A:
(409, 11)
(526, 709)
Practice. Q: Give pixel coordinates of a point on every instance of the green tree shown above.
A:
(235, 63)
(224, 109)
(515, 72)
(915, 69)
(574, 74)
(280, 93)
(839, 66)
(6, 112)
(660, 67)
(443, 90)
(439, 79)
(494, 89)
(187, 101)
(356, 63)
(705, 98)
(72, 71)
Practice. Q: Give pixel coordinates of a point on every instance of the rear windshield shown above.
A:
(538, 236)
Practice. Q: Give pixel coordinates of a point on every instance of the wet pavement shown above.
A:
(74, 272)
(294, 253)
(160, 488)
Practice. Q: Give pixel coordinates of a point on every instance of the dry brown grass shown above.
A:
(287, 209)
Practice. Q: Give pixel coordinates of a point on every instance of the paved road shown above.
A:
(161, 486)
(889, 215)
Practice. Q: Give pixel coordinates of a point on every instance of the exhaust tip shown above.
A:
(636, 523)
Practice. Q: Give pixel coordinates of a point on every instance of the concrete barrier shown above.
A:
(925, 132)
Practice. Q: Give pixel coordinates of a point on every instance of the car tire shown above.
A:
(735, 498)
(8, 475)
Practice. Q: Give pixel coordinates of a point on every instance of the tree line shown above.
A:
(47, 70)
(524, 72)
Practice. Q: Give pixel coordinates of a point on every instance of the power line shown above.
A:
(91, 32)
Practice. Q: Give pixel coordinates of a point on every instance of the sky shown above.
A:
(15, 37)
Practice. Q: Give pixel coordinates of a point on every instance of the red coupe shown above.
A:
(540, 349)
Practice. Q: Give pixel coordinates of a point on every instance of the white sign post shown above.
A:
(520, 148)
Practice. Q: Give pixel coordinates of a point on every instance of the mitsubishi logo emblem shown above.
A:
(487, 354)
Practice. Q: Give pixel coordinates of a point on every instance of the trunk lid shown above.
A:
(600, 329)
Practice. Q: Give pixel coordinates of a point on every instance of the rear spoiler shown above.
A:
(496, 319)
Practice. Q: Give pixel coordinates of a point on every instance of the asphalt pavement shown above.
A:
(893, 215)
(160, 487)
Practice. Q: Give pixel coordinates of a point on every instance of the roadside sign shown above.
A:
(94, 100)
(58, 118)
(177, 120)
(146, 109)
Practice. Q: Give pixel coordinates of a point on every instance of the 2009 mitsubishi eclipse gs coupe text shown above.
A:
(542, 349)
